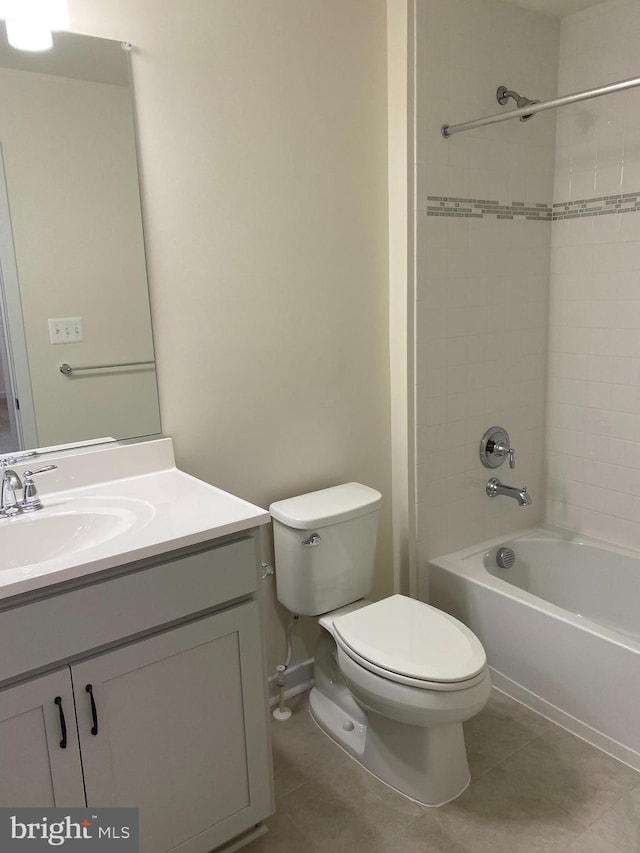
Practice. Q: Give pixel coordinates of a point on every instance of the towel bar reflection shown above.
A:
(68, 370)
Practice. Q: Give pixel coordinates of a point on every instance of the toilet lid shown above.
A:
(410, 638)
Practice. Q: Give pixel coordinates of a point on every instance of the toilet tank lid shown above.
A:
(327, 506)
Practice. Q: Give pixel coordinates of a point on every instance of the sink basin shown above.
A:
(67, 528)
(109, 507)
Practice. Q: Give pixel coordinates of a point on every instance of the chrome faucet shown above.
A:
(9, 503)
(520, 494)
(30, 501)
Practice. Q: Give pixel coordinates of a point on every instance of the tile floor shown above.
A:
(535, 789)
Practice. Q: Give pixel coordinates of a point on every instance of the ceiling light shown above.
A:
(25, 36)
(30, 22)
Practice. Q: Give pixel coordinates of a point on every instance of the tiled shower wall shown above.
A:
(593, 443)
(484, 205)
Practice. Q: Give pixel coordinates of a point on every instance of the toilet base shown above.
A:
(427, 765)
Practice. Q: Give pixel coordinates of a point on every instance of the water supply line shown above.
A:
(282, 712)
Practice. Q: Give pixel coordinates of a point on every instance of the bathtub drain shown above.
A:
(505, 558)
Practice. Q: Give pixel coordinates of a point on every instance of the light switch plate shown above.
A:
(66, 330)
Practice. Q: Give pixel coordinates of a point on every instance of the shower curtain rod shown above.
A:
(448, 130)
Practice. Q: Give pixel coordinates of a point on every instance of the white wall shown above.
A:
(69, 156)
(263, 143)
(593, 439)
(482, 278)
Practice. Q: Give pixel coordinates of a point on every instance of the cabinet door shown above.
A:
(39, 766)
(181, 731)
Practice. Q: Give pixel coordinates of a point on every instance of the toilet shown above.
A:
(394, 679)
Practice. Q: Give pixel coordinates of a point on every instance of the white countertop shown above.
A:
(162, 509)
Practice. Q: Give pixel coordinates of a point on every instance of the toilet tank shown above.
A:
(325, 544)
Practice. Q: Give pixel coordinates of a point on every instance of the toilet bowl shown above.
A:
(417, 674)
(394, 679)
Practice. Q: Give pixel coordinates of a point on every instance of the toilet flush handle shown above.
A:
(313, 540)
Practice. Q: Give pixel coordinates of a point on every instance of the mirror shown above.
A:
(73, 274)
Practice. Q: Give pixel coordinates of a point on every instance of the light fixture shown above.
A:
(30, 22)
(26, 36)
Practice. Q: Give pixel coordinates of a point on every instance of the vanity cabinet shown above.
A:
(173, 722)
(39, 768)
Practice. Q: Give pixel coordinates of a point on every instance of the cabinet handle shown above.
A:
(63, 725)
(94, 713)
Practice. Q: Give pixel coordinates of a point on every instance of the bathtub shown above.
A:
(561, 628)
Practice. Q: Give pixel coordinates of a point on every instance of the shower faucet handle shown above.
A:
(501, 450)
(495, 446)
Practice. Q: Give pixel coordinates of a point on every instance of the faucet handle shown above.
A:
(30, 498)
(495, 445)
(29, 474)
(501, 450)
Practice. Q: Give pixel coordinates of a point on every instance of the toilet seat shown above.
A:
(410, 642)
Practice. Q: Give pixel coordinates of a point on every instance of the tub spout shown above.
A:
(520, 494)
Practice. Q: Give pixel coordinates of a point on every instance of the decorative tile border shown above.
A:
(477, 208)
(601, 206)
